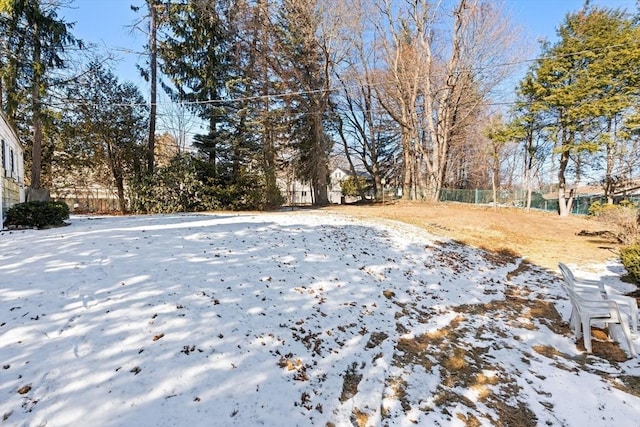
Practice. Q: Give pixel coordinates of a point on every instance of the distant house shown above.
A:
(300, 193)
(335, 186)
(295, 191)
(11, 169)
(335, 189)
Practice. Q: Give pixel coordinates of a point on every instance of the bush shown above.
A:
(623, 219)
(630, 256)
(173, 188)
(37, 214)
(190, 185)
(350, 186)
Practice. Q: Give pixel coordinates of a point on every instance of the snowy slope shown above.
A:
(295, 318)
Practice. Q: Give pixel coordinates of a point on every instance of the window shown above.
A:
(12, 169)
(4, 148)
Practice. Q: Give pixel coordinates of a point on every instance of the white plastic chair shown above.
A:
(586, 311)
(593, 285)
(592, 289)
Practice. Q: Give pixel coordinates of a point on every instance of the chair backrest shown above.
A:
(567, 273)
(568, 286)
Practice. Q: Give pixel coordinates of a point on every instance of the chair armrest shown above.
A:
(590, 284)
(623, 300)
(608, 305)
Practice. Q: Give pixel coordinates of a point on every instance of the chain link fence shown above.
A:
(518, 198)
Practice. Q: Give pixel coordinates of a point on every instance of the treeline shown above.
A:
(404, 89)
(578, 105)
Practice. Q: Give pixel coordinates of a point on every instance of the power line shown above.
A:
(65, 102)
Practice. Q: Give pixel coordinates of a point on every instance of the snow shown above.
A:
(295, 318)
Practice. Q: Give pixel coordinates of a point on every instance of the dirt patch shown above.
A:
(628, 384)
(350, 380)
(469, 370)
(544, 238)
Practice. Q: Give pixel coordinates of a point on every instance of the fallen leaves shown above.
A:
(24, 389)
(351, 380)
(296, 365)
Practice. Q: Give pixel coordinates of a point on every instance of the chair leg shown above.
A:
(631, 303)
(576, 323)
(586, 329)
(634, 314)
(627, 334)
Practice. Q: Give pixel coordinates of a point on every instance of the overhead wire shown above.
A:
(282, 95)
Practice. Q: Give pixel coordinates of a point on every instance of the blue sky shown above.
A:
(540, 18)
(105, 22)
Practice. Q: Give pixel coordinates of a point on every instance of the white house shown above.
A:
(295, 192)
(300, 193)
(335, 186)
(335, 180)
(11, 169)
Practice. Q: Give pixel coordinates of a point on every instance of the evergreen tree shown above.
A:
(304, 66)
(107, 126)
(34, 40)
(583, 84)
(261, 130)
(195, 53)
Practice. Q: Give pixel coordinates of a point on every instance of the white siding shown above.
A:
(11, 169)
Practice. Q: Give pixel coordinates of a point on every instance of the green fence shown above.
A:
(517, 198)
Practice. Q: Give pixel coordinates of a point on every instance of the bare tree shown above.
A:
(400, 90)
(368, 134)
(438, 79)
(178, 120)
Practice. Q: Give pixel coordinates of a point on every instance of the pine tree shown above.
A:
(582, 85)
(304, 66)
(195, 53)
(37, 40)
(108, 125)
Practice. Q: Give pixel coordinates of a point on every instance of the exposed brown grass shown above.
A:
(543, 238)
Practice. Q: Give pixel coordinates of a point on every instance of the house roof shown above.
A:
(584, 190)
(632, 189)
(362, 174)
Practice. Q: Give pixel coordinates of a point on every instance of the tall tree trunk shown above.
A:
(122, 201)
(528, 170)
(565, 196)
(213, 124)
(153, 65)
(36, 150)
(609, 183)
(408, 161)
(321, 170)
(116, 172)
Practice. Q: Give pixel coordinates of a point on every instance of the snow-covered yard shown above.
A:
(293, 318)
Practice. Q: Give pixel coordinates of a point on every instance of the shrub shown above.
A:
(173, 188)
(37, 214)
(630, 256)
(623, 219)
(350, 186)
(190, 185)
